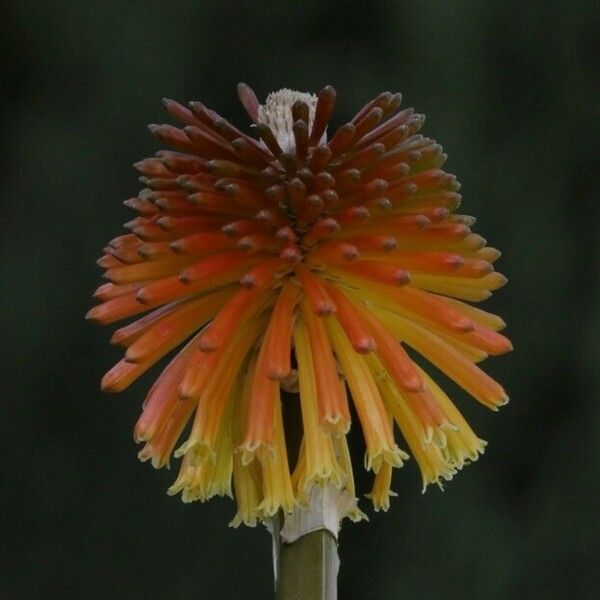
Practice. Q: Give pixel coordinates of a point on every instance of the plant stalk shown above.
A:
(308, 568)
(305, 547)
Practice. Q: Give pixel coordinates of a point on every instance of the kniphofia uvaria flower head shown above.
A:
(305, 261)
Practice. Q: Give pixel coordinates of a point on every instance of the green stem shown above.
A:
(308, 568)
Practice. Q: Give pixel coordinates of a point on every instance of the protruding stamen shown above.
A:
(368, 122)
(300, 112)
(249, 100)
(320, 158)
(300, 129)
(323, 112)
(268, 137)
(342, 139)
(206, 145)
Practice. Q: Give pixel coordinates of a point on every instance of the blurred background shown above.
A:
(509, 89)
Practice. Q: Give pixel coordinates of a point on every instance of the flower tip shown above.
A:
(291, 254)
(428, 437)
(142, 296)
(111, 383)
(401, 277)
(504, 400)
(328, 92)
(185, 277)
(176, 246)
(277, 374)
(440, 213)
(464, 324)
(336, 423)
(93, 313)
(229, 229)
(246, 243)
(140, 433)
(248, 452)
(364, 344)
(248, 281)
(249, 100)
(410, 188)
(454, 261)
(324, 308)
(422, 222)
(499, 280)
(389, 243)
(285, 234)
(206, 344)
(103, 289)
(183, 181)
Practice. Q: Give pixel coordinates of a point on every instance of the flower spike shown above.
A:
(305, 259)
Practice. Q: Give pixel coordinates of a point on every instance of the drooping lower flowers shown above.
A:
(303, 261)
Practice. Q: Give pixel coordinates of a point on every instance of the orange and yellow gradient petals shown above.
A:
(342, 453)
(334, 413)
(240, 307)
(321, 464)
(277, 342)
(247, 479)
(204, 479)
(381, 492)
(462, 445)
(168, 333)
(264, 393)
(297, 262)
(278, 492)
(162, 397)
(213, 401)
(416, 305)
(358, 334)
(377, 430)
(428, 456)
(403, 371)
(312, 286)
(464, 329)
(476, 314)
(198, 372)
(172, 329)
(473, 290)
(475, 381)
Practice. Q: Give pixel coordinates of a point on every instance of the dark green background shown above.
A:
(509, 89)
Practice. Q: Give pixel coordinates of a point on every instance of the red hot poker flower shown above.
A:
(308, 262)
